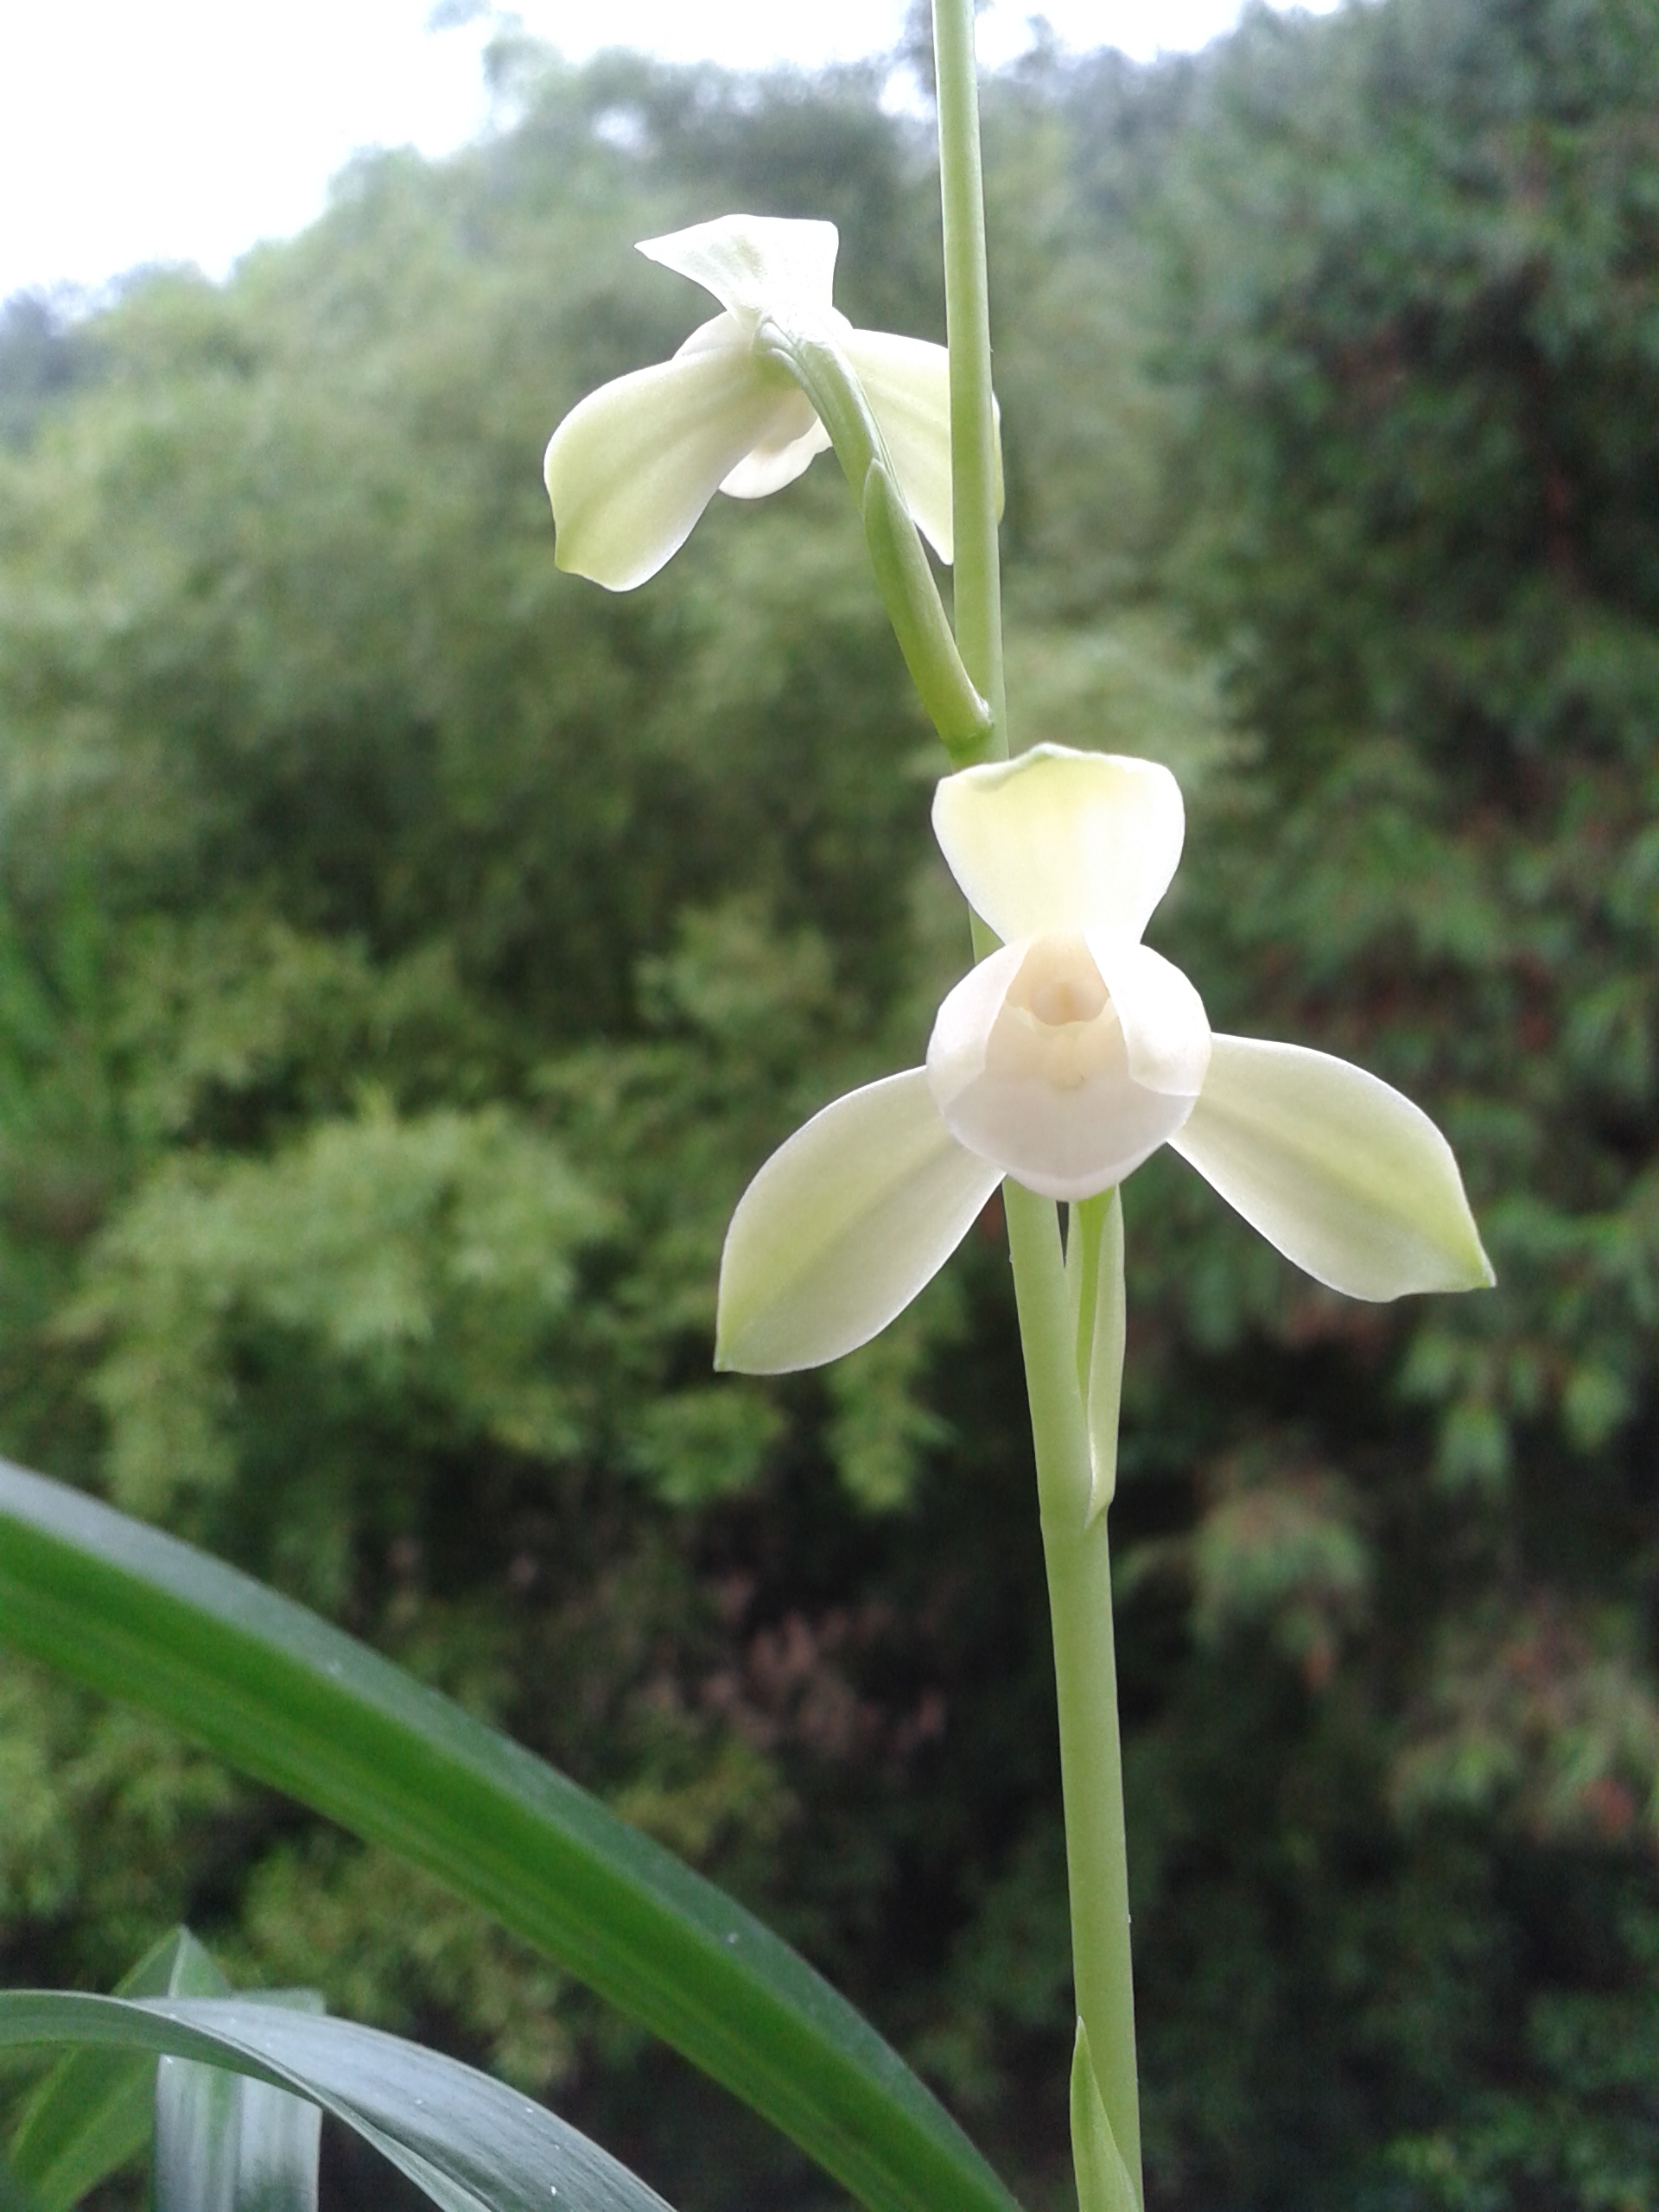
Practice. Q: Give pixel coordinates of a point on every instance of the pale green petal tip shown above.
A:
(1339, 1171)
(1460, 1263)
(1466, 1263)
(1479, 1272)
(1046, 763)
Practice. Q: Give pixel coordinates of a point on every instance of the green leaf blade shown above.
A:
(474, 2144)
(95, 2110)
(225, 2143)
(292, 1702)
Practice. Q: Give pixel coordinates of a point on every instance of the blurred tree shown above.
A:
(1411, 283)
(42, 354)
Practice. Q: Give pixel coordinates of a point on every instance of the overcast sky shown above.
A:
(135, 130)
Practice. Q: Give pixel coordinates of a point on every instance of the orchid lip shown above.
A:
(1032, 1065)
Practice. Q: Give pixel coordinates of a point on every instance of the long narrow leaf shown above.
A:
(474, 2145)
(226, 2143)
(287, 1697)
(96, 2109)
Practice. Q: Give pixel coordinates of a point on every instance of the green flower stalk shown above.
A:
(1070, 1051)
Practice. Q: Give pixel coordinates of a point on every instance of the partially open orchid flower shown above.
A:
(631, 468)
(1064, 1060)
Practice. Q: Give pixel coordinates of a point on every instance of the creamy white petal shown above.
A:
(780, 457)
(756, 265)
(631, 468)
(1165, 1029)
(791, 436)
(842, 1227)
(1345, 1176)
(1029, 1068)
(1060, 840)
(907, 383)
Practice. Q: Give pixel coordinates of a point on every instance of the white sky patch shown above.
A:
(186, 130)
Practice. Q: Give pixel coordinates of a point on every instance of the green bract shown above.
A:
(1064, 1060)
(631, 468)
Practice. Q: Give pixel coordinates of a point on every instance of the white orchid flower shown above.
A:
(1064, 1059)
(633, 466)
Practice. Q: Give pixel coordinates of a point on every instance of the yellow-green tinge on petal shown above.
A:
(842, 1227)
(1061, 840)
(1338, 1170)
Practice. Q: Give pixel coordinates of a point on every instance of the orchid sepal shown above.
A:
(842, 1227)
(755, 265)
(1059, 840)
(1338, 1171)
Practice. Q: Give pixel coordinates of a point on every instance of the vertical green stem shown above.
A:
(1077, 1556)
(968, 333)
(1075, 1549)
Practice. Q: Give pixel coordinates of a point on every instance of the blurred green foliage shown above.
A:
(407, 952)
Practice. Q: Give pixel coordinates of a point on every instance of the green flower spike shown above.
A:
(1064, 1059)
(633, 466)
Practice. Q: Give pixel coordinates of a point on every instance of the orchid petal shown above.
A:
(907, 383)
(789, 448)
(842, 1227)
(631, 468)
(1056, 840)
(792, 436)
(1165, 1029)
(754, 265)
(1345, 1176)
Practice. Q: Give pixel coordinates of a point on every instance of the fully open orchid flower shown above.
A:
(633, 466)
(1064, 1059)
